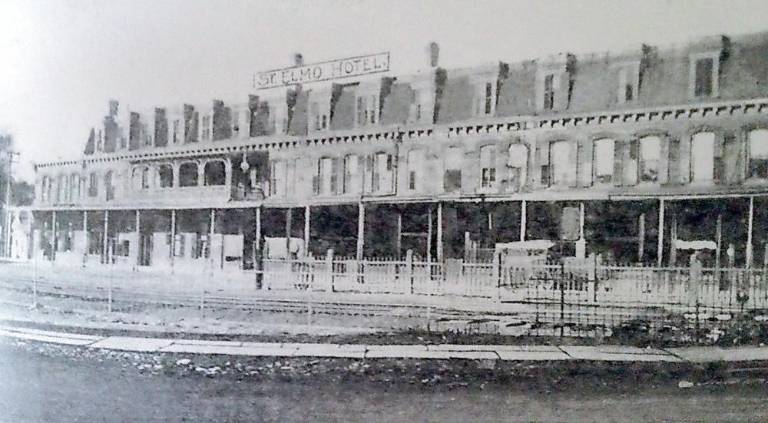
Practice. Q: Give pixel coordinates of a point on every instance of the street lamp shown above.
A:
(10, 156)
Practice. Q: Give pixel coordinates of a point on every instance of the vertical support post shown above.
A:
(257, 250)
(306, 230)
(288, 222)
(399, 235)
(173, 238)
(429, 234)
(105, 241)
(54, 236)
(138, 240)
(360, 230)
(86, 238)
(750, 220)
(211, 231)
(440, 232)
(641, 237)
(673, 241)
(660, 241)
(581, 220)
(523, 218)
(718, 240)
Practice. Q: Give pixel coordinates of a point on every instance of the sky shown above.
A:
(62, 60)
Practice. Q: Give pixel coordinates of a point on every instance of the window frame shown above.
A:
(596, 176)
(694, 59)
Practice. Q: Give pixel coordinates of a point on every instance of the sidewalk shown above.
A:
(607, 353)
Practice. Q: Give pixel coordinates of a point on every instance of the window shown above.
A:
(629, 80)
(314, 114)
(215, 173)
(703, 157)
(561, 162)
(382, 177)
(164, 176)
(62, 190)
(44, 184)
(351, 174)
(74, 186)
(602, 162)
(704, 77)
(277, 177)
(517, 166)
(415, 169)
(452, 176)
(176, 125)
(488, 98)
(188, 174)
(488, 166)
(650, 155)
(145, 178)
(360, 111)
(109, 186)
(374, 107)
(93, 185)
(549, 92)
(235, 123)
(324, 179)
(758, 153)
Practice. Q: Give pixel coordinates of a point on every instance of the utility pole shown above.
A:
(10, 156)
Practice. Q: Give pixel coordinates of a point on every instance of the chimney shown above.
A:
(434, 54)
(298, 59)
(113, 105)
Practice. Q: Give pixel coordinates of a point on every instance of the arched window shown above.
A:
(703, 157)
(188, 174)
(561, 160)
(602, 160)
(164, 176)
(351, 174)
(74, 187)
(650, 155)
(758, 153)
(517, 165)
(136, 178)
(452, 175)
(108, 185)
(215, 173)
(325, 179)
(93, 185)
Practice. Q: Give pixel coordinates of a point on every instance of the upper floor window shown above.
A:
(176, 126)
(109, 186)
(758, 153)
(602, 162)
(488, 98)
(325, 180)
(164, 176)
(561, 162)
(650, 155)
(488, 166)
(188, 174)
(351, 174)
(374, 109)
(704, 72)
(453, 162)
(215, 173)
(93, 185)
(415, 169)
(277, 178)
(235, 123)
(549, 92)
(703, 157)
(206, 127)
(629, 83)
(74, 186)
(517, 165)
(61, 189)
(382, 177)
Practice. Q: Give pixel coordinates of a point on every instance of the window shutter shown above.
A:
(685, 160)
(664, 161)
(719, 160)
(673, 163)
(335, 175)
(542, 156)
(618, 162)
(368, 174)
(573, 159)
(586, 152)
(359, 182)
(733, 158)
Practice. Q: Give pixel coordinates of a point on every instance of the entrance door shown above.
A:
(145, 250)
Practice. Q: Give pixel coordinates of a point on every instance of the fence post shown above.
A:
(409, 268)
(109, 291)
(329, 263)
(497, 274)
(562, 299)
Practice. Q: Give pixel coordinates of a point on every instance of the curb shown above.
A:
(606, 353)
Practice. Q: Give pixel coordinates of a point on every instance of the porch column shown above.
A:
(440, 232)
(173, 237)
(85, 236)
(258, 230)
(523, 219)
(360, 230)
(105, 241)
(581, 243)
(429, 234)
(399, 235)
(211, 231)
(54, 235)
(750, 219)
(306, 230)
(660, 244)
(641, 237)
(288, 219)
(138, 240)
(718, 239)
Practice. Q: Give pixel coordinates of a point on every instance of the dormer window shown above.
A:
(629, 83)
(704, 72)
(484, 99)
(549, 92)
